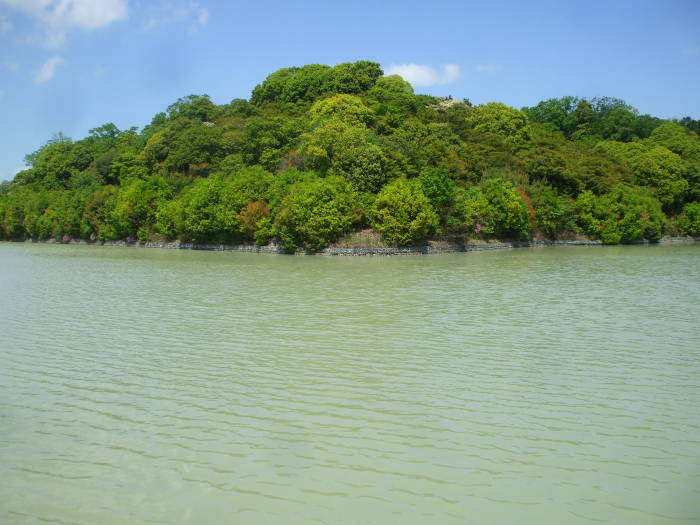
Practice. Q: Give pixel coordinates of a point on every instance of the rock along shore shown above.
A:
(422, 249)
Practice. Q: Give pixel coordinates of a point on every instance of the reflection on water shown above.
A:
(556, 385)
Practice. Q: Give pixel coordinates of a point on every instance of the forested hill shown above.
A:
(319, 152)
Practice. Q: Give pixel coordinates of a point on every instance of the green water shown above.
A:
(531, 386)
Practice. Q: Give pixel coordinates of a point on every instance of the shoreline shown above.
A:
(428, 248)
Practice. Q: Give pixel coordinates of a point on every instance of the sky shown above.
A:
(72, 65)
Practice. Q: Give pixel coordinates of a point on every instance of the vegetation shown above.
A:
(320, 152)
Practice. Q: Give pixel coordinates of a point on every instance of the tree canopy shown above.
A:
(319, 151)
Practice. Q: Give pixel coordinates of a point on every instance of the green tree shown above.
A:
(689, 220)
(440, 190)
(564, 114)
(496, 209)
(194, 107)
(551, 166)
(293, 85)
(392, 95)
(678, 139)
(348, 108)
(402, 213)
(134, 208)
(654, 166)
(315, 213)
(355, 77)
(624, 215)
(265, 141)
(553, 212)
(341, 149)
(499, 119)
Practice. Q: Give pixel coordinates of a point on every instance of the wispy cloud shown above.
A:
(5, 25)
(488, 68)
(423, 75)
(203, 16)
(48, 69)
(57, 18)
(9, 65)
(176, 12)
(101, 71)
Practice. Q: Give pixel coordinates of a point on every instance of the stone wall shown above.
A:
(424, 249)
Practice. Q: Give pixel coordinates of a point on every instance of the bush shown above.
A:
(402, 213)
(552, 211)
(624, 215)
(689, 221)
(314, 213)
(496, 209)
(439, 189)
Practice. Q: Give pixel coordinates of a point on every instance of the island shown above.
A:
(345, 156)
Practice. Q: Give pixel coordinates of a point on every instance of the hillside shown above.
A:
(319, 152)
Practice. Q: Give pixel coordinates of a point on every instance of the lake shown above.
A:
(531, 386)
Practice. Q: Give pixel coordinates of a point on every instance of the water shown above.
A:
(551, 385)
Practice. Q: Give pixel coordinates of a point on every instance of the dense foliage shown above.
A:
(319, 152)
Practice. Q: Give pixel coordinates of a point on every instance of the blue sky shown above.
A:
(72, 65)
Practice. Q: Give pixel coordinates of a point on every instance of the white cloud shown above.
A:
(203, 17)
(101, 71)
(173, 12)
(488, 68)
(48, 69)
(9, 65)
(57, 18)
(422, 75)
(5, 25)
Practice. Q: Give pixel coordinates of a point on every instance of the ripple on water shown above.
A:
(534, 385)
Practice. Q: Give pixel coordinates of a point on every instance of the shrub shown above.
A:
(552, 211)
(315, 213)
(402, 213)
(689, 221)
(626, 214)
(496, 209)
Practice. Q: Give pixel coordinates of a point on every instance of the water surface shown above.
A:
(544, 385)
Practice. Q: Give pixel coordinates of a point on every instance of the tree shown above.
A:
(654, 166)
(564, 114)
(250, 184)
(508, 211)
(252, 217)
(348, 108)
(499, 119)
(551, 166)
(440, 190)
(195, 107)
(55, 163)
(345, 135)
(677, 139)
(624, 215)
(495, 209)
(293, 85)
(355, 77)
(553, 214)
(134, 208)
(105, 133)
(315, 213)
(266, 141)
(689, 220)
(402, 213)
(341, 149)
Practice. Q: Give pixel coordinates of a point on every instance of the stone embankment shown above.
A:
(422, 249)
